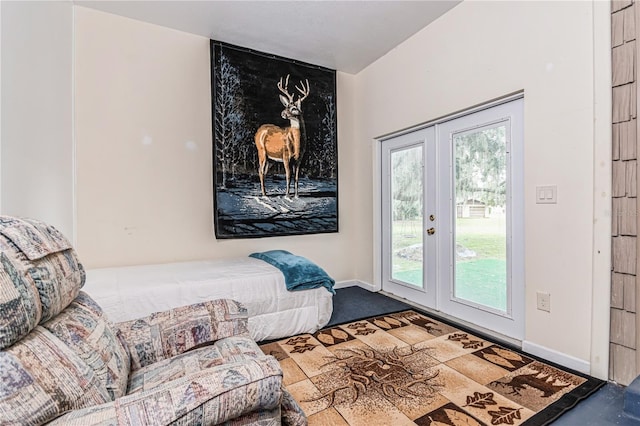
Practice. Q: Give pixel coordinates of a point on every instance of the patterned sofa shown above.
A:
(63, 362)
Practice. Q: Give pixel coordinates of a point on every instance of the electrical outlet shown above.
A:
(544, 301)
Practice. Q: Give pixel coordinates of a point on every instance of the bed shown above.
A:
(131, 292)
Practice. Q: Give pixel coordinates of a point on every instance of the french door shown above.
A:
(452, 217)
(409, 191)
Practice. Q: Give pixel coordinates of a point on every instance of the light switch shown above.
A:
(547, 194)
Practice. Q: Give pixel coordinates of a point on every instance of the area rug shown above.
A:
(407, 368)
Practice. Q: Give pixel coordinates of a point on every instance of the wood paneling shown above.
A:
(624, 254)
(631, 177)
(617, 290)
(624, 225)
(619, 183)
(623, 61)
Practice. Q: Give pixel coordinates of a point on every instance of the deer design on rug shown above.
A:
(284, 144)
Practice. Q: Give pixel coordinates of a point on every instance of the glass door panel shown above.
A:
(480, 228)
(406, 179)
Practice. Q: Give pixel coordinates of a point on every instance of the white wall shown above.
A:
(37, 130)
(480, 51)
(144, 151)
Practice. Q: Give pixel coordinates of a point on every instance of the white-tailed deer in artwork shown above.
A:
(284, 144)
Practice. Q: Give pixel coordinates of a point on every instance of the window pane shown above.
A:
(480, 217)
(406, 213)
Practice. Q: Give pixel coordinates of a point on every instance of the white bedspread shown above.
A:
(126, 293)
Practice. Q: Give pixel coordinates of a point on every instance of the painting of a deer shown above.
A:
(284, 144)
(272, 117)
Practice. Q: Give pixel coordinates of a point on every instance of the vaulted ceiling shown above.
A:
(343, 35)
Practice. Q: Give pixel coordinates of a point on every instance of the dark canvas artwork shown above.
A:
(275, 153)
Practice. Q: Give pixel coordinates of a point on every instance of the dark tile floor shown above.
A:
(602, 408)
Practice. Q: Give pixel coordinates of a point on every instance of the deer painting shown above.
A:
(284, 144)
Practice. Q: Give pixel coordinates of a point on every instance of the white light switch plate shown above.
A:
(547, 194)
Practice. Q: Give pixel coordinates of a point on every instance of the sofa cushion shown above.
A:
(83, 327)
(33, 238)
(238, 348)
(40, 275)
(164, 371)
(162, 335)
(41, 378)
(259, 417)
(207, 397)
(223, 351)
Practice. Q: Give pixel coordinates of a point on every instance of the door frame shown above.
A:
(378, 198)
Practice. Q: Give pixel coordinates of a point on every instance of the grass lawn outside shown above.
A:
(480, 279)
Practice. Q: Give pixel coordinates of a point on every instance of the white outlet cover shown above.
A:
(543, 302)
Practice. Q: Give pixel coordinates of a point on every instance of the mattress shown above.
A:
(127, 293)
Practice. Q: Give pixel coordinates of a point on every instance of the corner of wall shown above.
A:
(602, 165)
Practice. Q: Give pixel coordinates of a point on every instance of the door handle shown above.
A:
(431, 231)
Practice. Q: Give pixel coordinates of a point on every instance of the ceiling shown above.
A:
(342, 35)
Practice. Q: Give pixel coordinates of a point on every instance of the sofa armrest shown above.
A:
(292, 413)
(166, 334)
(210, 396)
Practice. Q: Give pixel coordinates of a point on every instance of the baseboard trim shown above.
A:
(560, 358)
(354, 283)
